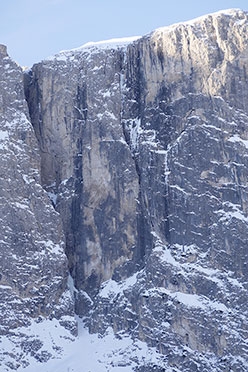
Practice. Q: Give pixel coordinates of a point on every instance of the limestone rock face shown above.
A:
(76, 107)
(33, 269)
(143, 153)
(186, 125)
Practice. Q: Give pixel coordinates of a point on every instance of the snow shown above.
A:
(165, 255)
(87, 352)
(180, 189)
(111, 288)
(52, 196)
(209, 126)
(106, 114)
(63, 182)
(51, 246)
(189, 300)
(236, 138)
(192, 22)
(228, 216)
(135, 132)
(71, 286)
(4, 135)
(107, 94)
(27, 179)
(115, 43)
(5, 287)
(228, 12)
(235, 282)
(21, 206)
(109, 44)
(193, 268)
(193, 300)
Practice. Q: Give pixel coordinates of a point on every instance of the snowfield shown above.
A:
(85, 353)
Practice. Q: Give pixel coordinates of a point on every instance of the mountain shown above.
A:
(125, 203)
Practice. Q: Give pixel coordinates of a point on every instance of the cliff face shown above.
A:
(143, 151)
(186, 126)
(75, 106)
(33, 272)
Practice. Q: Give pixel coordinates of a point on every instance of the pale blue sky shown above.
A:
(36, 29)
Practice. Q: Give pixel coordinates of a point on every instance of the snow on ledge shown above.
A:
(94, 45)
(109, 44)
(220, 13)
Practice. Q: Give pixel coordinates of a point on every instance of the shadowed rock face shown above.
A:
(144, 152)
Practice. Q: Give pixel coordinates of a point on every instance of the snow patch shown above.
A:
(4, 135)
(238, 139)
(165, 255)
(51, 246)
(111, 288)
(188, 299)
(226, 217)
(109, 44)
(135, 132)
(52, 196)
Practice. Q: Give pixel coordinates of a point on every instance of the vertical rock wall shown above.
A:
(76, 109)
(144, 154)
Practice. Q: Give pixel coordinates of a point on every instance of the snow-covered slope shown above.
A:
(88, 352)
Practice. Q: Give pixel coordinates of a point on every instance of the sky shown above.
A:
(36, 29)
